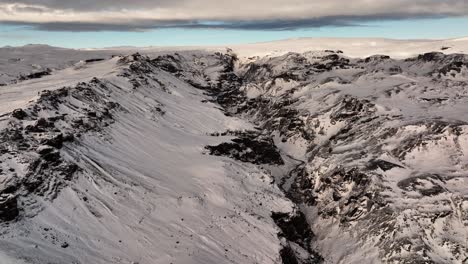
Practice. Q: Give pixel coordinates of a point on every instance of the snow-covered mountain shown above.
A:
(322, 155)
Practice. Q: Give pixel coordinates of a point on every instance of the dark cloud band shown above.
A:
(273, 25)
(126, 15)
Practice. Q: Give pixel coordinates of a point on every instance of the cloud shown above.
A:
(138, 15)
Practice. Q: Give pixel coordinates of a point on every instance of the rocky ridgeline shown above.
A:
(364, 170)
(354, 150)
(345, 174)
(358, 170)
(248, 146)
(258, 148)
(31, 162)
(34, 164)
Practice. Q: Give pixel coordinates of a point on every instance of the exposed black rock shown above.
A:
(288, 256)
(334, 51)
(94, 60)
(454, 66)
(295, 229)
(301, 189)
(382, 164)
(19, 114)
(44, 150)
(38, 145)
(431, 56)
(346, 188)
(8, 207)
(395, 70)
(376, 58)
(35, 75)
(168, 63)
(351, 108)
(58, 140)
(256, 151)
(426, 185)
(331, 65)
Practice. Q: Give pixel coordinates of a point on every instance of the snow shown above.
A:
(461, 39)
(406, 117)
(19, 95)
(35, 57)
(149, 193)
(353, 47)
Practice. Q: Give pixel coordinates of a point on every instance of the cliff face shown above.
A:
(382, 148)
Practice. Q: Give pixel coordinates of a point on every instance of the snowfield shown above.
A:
(296, 151)
(145, 192)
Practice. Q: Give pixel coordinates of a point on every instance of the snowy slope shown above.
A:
(383, 146)
(18, 95)
(145, 192)
(16, 61)
(354, 47)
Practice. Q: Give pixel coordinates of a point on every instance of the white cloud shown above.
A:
(147, 14)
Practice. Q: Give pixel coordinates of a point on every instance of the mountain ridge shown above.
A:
(205, 157)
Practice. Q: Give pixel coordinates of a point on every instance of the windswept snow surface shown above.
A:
(385, 156)
(354, 47)
(20, 94)
(15, 61)
(107, 160)
(146, 193)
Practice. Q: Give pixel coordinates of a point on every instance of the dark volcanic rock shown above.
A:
(351, 107)
(454, 66)
(44, 150)
(376, 58)
(382, 164)
(426, 185)
(168, 63)
(288, 256)
(64, 245)
(8, 207)
(37, 146)
(94, 60)
(35, 75)
(249, 150)
(58, 140)
(301, 190)
(19, 114)
(295, 229)
(431, 56)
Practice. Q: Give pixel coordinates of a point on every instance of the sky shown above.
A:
(110, 23)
